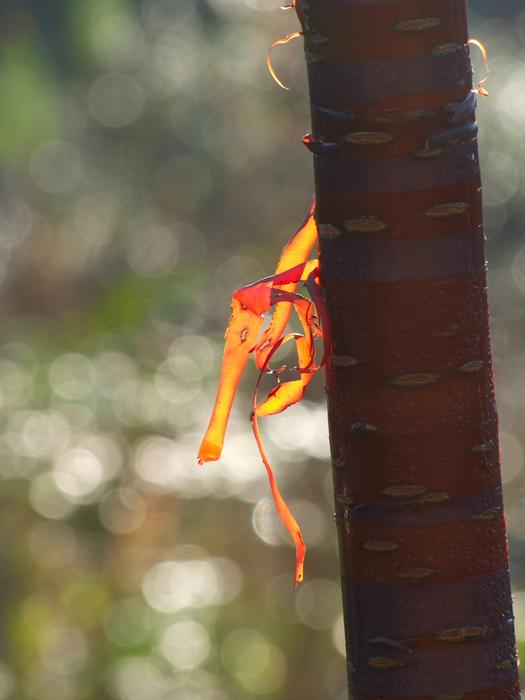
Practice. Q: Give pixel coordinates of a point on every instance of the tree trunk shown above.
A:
(412, 413)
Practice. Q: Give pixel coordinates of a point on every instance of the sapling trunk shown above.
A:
(412, 414)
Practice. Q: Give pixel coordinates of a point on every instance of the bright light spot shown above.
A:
(116, 100)
(37, 434)
(199, 348)
(301, 430)
(78, 474)
(56, 167)
(171, 586)
(46, 498)
(318, 603)
(158, 461)
(240, 461)
(175, 585)
(178, 379)
(269, 528)
(106, 449)
(259, 667)
(185, 644)
(266, 522)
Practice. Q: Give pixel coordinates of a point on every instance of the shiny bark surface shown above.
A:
(412, 411)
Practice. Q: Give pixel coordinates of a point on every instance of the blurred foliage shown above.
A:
(149, 167)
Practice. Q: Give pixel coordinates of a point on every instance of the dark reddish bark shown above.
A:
(412, 412)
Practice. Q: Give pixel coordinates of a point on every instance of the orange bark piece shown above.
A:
(284, 512)
(279, 42)
(241, 335)
(248, 305)
(288, 393)
(296, 251)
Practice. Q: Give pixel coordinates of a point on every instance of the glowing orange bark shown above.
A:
(242, 339)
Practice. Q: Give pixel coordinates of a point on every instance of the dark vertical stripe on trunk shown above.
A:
(413, 421)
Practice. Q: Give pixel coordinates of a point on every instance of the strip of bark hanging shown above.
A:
(279, 42)
(243, 338)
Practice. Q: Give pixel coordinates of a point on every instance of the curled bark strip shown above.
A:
(279, 42)
(295, 252)
(481, 85)
(242, 339)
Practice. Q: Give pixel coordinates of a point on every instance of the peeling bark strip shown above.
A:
(412, 411)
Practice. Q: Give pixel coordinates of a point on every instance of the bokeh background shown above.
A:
(148, 167)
